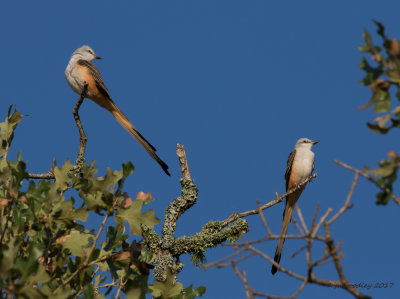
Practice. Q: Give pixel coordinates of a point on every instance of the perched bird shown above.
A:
(81, 71)
(300, 166)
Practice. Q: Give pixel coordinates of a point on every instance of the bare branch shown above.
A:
(180, 152)
(263, 220)
(205, 267)
(278, 199)
(298, 226)
(301, 218)
(321, 220)
(346, 205)
(333, 252)
(395, 198)
(83, 138)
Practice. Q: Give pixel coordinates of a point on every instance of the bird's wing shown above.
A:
(289, 167)
(96, 75)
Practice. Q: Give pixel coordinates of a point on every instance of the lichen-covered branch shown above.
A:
(175, 209)
(211, 235)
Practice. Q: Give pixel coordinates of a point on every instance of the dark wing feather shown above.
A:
(289, 167)
(96, 75)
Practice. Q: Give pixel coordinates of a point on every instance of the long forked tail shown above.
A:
(287, 216)
(121, 118)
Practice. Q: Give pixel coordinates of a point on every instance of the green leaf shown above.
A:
(377, 129)
(385, 170)
(29, 265)
(134, 294)
(363, 48)
(383, 120)
(381, 99)
(7, 129)
(166, 289)
(7, 258)
(381, 29)
(62, 176)
(114, 238)
(372, 73)
(69, 215)
(190, 293)
(382, 198)
(77, 242)
(134, 216)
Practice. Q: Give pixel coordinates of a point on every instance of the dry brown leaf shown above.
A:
(23, 200)
(392, 154)
(62, 239)
(127, 201)
(394, 48)
(143, 196)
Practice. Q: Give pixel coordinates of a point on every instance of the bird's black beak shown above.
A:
(314, 142)
(97, 57)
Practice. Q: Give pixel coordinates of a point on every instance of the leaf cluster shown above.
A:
(382, 77)
(46, 247)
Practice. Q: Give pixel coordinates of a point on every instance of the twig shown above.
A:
(121, 284)
(301, 218)
(205, 267)
(112, 284)
(395, 198)
(83, 138)
(274, 237)
(263, 220)
(237, 261)
(298, 251)
(180, 152)
(346, 204)
(333, 252)
(242, 276)
(298, 226)
(321, 220)
(280, 268)
(314, 217)
(42, 176)
(278, 199)
(81, 289)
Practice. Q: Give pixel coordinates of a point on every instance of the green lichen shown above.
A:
(211, 235)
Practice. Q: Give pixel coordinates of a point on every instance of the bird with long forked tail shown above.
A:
(80, 72)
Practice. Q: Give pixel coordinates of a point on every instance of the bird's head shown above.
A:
(85, 53)
(305, 143)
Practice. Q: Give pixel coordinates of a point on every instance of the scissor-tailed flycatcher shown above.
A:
(81, 71)
(300, 166)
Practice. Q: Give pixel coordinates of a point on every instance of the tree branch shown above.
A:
(278, 199)
(82, 144)
(395, 198)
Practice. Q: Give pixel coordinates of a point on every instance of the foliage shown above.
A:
(383, 78)
(46, 250)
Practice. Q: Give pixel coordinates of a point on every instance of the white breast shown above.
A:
(303, 163)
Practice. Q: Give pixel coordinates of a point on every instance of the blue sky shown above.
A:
(236, 82)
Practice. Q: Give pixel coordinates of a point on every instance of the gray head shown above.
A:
(85, 53)
(305, 143)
